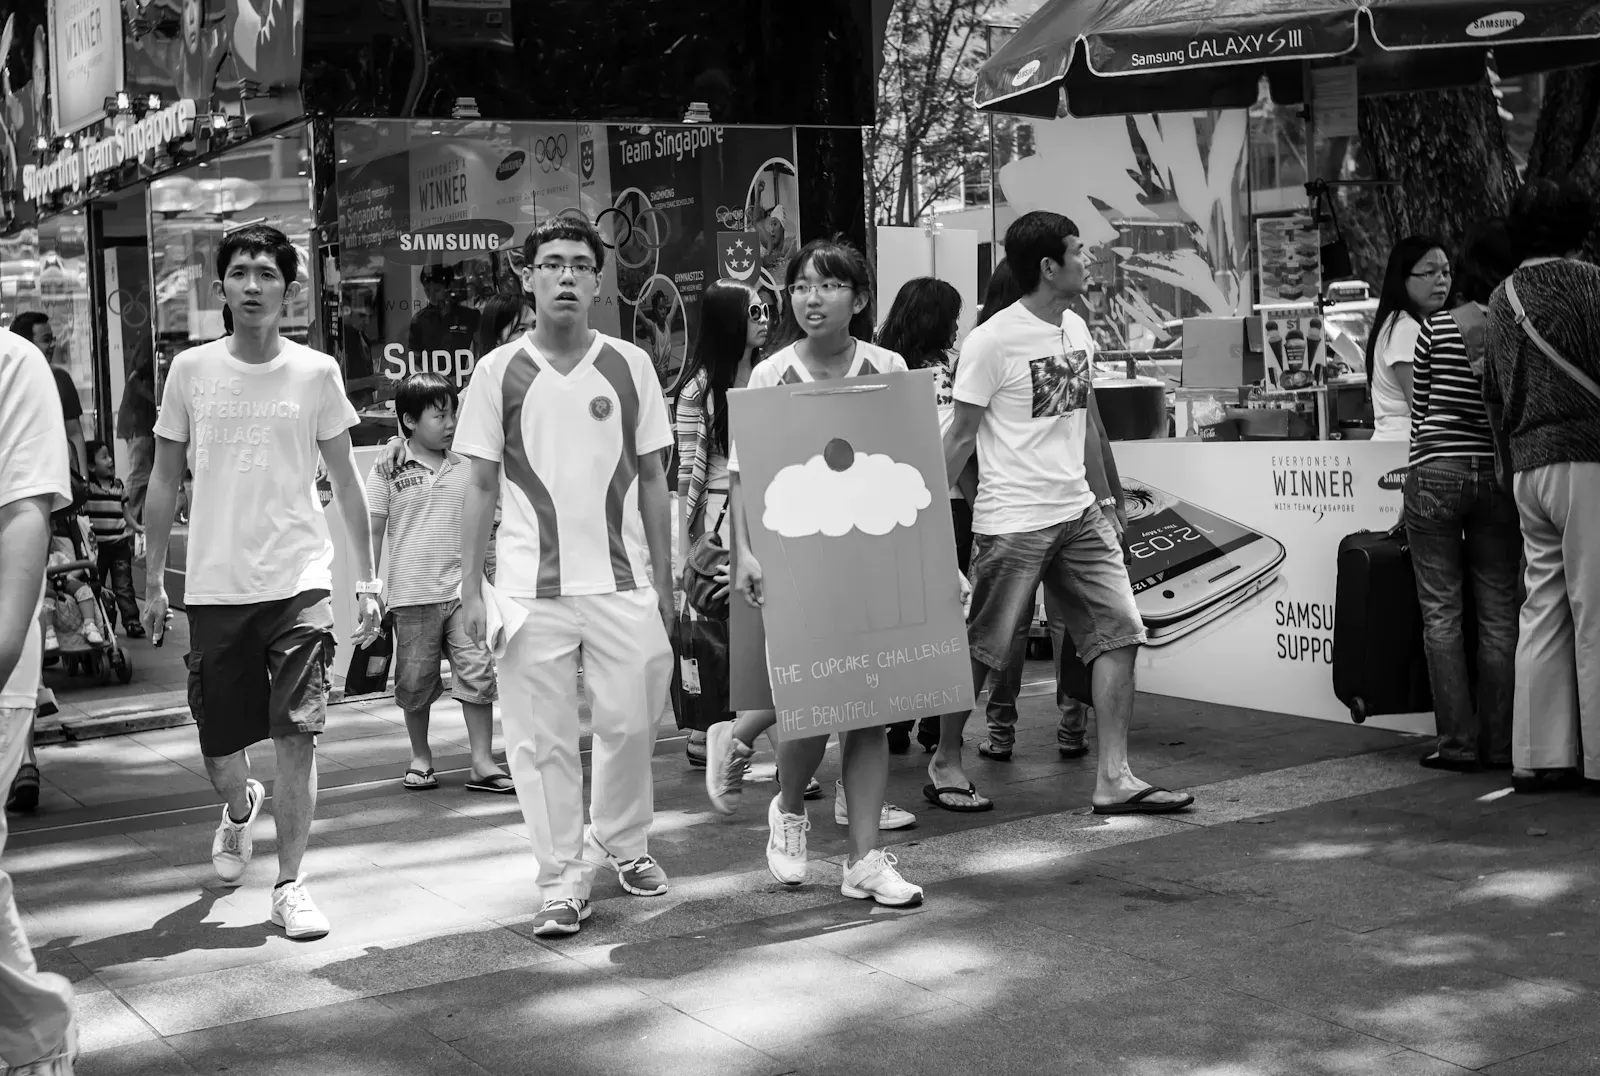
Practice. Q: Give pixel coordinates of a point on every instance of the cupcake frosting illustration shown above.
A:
(846, 522)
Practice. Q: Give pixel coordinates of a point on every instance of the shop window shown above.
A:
(44, 269)
(432, 215)
(266, 181)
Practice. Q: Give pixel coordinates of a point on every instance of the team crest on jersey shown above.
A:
(600, 408)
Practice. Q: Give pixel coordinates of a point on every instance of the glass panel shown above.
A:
(45, 269)
(432, 215)
(264, 182)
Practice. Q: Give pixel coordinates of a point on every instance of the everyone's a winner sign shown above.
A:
(844, 487)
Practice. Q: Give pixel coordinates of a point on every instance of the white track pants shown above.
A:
(627, 671)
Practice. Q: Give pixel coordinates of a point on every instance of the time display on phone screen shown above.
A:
(1176, 540)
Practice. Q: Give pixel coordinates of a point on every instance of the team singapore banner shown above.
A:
(1232, 555)
(432, 217)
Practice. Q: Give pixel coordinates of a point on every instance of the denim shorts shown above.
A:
(1080, 565)
(425, 635)
(259, 670)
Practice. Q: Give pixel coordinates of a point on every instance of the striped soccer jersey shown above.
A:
(568, 446)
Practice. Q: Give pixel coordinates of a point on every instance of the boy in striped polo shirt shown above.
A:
(111, 519)
(569, 427)
(418, 503)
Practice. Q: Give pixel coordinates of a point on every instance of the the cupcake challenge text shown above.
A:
(865, 711)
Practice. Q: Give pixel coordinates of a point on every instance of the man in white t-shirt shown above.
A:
(250, 415)
(37, 1034)
(1022, 395)
(568, 428)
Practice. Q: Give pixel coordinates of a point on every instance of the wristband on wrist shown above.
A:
(1108, 502)
(373, 587)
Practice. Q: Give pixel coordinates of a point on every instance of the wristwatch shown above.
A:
(373, 587)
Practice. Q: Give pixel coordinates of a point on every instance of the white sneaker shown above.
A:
(786, 844)
(51, 643)
(232, 847)
(91, 635)
(891, 817)
(725, 768)
(294, 911)
(874, 876)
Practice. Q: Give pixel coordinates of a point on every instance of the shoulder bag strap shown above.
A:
(1544, 345)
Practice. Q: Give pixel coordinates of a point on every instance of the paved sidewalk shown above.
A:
(1330, 907)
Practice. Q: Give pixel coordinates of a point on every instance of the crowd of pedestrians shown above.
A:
(1491, 371)
(526, 532)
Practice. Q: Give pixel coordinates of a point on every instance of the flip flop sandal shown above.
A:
(497, 783)
(425, 780)
(24, 789)
(992, 753)
(932, 794)
(1135, 804)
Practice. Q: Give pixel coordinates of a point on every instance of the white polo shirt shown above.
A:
(568, 446)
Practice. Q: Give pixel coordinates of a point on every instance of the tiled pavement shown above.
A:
(1330, 907)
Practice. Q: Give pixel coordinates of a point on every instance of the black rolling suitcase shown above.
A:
(1379, 666)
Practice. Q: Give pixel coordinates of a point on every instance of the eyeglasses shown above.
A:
(1433, 274)
(827, 289)
(582, 272)
(760, 312)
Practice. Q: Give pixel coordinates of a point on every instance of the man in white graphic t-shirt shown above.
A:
(568, 427)
(250, 415)
(1022, 395)
(37, 1034)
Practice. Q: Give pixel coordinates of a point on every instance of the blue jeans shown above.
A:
(1462, 526)
(1006, 685)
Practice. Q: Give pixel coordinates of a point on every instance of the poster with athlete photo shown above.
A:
(848, 516)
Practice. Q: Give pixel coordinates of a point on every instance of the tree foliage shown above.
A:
(927, 128)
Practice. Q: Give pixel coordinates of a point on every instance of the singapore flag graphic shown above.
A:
(738, 255)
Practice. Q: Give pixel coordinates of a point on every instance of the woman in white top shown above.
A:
(1416, 286)
(829, 318)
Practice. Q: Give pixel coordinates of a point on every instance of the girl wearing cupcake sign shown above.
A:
(830, 290)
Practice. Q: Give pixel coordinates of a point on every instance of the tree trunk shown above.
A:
(1446, 150)
(1567, 140)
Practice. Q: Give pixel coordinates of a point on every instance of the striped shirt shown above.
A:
(569, 445)
(424, 508)
(692, 425)
(104, 510)
(1448, 420)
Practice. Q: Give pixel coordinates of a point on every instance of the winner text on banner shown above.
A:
(844, 488)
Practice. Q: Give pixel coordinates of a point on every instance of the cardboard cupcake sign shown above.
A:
(862, 622)
(843, 505)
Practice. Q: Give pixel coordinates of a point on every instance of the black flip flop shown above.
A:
(1135, 804)
(428, 780)
(498, 783)
(931, 793)
(25, 789)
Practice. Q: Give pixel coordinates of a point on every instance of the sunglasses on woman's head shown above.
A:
(760, 312)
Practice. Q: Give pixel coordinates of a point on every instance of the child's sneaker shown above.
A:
(91, 634)
(51, 643)
(294, 911)
(891, 817)
(786, 844)
(726, 762)
(874, 876)
(233, 846)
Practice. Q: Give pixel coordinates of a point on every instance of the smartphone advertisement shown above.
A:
(1232, 552)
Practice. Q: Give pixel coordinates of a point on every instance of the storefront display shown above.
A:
(432, 216)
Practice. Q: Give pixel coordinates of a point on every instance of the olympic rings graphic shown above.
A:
(550, 152)
(129, 307)
(731, 219)
(649, 230)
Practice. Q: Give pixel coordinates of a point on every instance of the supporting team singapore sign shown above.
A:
(135, 142)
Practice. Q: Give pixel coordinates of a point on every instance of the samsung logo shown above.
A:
(1028, 70)
(1393, 480)
(511, 165)
(1493, 25)
(449, 242)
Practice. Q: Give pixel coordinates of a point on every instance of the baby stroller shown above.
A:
(76, 604)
